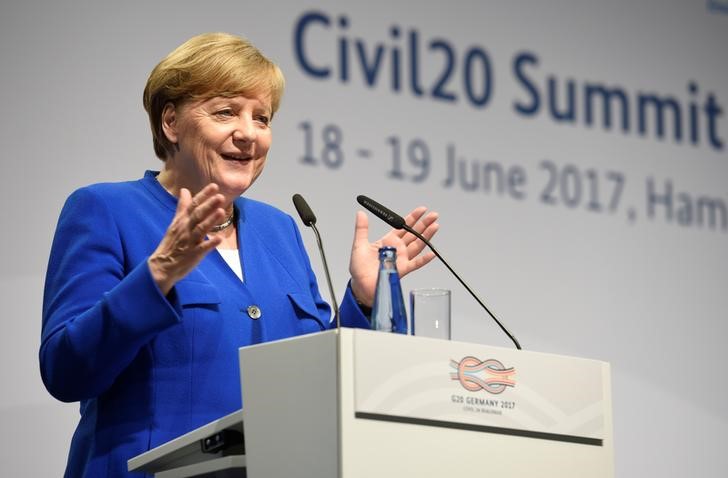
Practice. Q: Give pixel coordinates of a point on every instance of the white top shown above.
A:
(232, 258)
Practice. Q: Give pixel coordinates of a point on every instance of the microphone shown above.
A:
(391, 218)
(307, 216)
(309, 220)
(398, 222)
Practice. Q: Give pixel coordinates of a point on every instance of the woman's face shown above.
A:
(221, 140)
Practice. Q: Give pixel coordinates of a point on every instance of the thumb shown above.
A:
(361, 230)
(183, 202)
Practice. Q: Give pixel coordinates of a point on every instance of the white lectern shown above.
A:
(358, 403)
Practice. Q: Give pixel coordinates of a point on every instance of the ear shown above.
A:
(169, 122)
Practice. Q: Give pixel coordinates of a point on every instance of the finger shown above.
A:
(361, 230)
(203, 195)
(428, 226)
(204, 227)
(203, 211)
(183, 203)
(422, 226)
(425, 221)
(179, 221)
(417, 246)
(417, 262)
(412, 218)
(204, 247)
(415, 215)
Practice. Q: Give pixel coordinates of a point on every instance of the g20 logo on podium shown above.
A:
(489, 375)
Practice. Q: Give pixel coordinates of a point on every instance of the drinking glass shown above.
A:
(430, 313)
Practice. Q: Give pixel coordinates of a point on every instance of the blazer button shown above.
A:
(254, 312)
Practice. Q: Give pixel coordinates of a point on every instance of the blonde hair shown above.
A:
(205, 66)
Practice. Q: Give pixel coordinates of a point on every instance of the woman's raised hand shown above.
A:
(364, 262)
(186, 243)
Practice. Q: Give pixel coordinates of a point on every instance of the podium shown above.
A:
(357, 403)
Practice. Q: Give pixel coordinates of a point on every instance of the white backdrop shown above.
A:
(634, 283)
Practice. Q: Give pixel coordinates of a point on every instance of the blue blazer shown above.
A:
(147, 367)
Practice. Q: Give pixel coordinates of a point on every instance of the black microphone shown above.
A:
(309, 219)
(307, 216)
(397, 222)
(391, 218)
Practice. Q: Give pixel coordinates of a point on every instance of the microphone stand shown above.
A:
(328, 278)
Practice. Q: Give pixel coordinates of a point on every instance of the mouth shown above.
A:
(235, 157)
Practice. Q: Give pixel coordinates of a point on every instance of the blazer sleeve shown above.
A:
(97, 314)
(351, 314)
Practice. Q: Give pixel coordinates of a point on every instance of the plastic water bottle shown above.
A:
(388, 312)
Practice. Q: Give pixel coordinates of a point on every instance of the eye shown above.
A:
(263, 119)
(225, 113)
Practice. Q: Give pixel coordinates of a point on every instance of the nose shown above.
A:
(244, 130)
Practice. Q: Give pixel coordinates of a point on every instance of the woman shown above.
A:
(152, 285)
